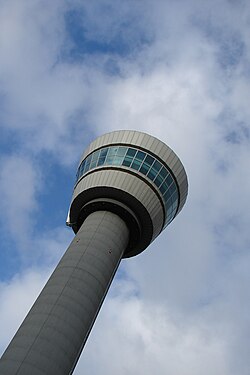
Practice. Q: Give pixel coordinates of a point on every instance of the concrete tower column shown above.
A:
(51, 337)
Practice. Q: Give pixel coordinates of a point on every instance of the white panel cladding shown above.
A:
(130, 184)
(166, 152)
(153, 145)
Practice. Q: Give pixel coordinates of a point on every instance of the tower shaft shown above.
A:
(52, 336)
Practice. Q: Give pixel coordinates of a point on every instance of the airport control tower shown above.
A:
(129, 187)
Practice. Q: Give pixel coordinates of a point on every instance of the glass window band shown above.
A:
(142, 162)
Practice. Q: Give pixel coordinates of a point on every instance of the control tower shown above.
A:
(129, 187)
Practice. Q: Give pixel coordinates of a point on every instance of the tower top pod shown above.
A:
(134, 175)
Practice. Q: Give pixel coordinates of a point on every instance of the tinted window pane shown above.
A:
(131, 152)
(136, 164)
(157, 166)
(175, 205)
(95, 155)
(169, 180)
(112, 151)
(169, 211)
(86, 167)
(175, 195)
(92, 164)
(164, 172)
(117, 160)
(169, 203)
(169, 214)
(81, 169)
(144, 168)
(101, 161)
(163, 188)
(172, 189)
(167, 196)
(88, 160)
(109, 159)
(103, 152)
(122, 151)
(82, 165)
(149, 160)
(140, 155)
(152, 174)
(158, 181)
(168, 200)
(127, 161)
(154, 170)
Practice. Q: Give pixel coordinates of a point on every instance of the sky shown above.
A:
(71, 70)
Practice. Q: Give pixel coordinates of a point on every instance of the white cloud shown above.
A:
(19, 183)
(43, 99)
(150, 339)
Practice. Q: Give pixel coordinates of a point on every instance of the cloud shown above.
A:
(19, 183)
(149, 338)
(43, 99)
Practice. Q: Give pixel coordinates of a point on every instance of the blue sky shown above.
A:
(179, 70)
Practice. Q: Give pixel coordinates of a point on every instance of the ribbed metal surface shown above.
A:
(52, 335)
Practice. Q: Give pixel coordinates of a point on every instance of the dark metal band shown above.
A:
(123, 204)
